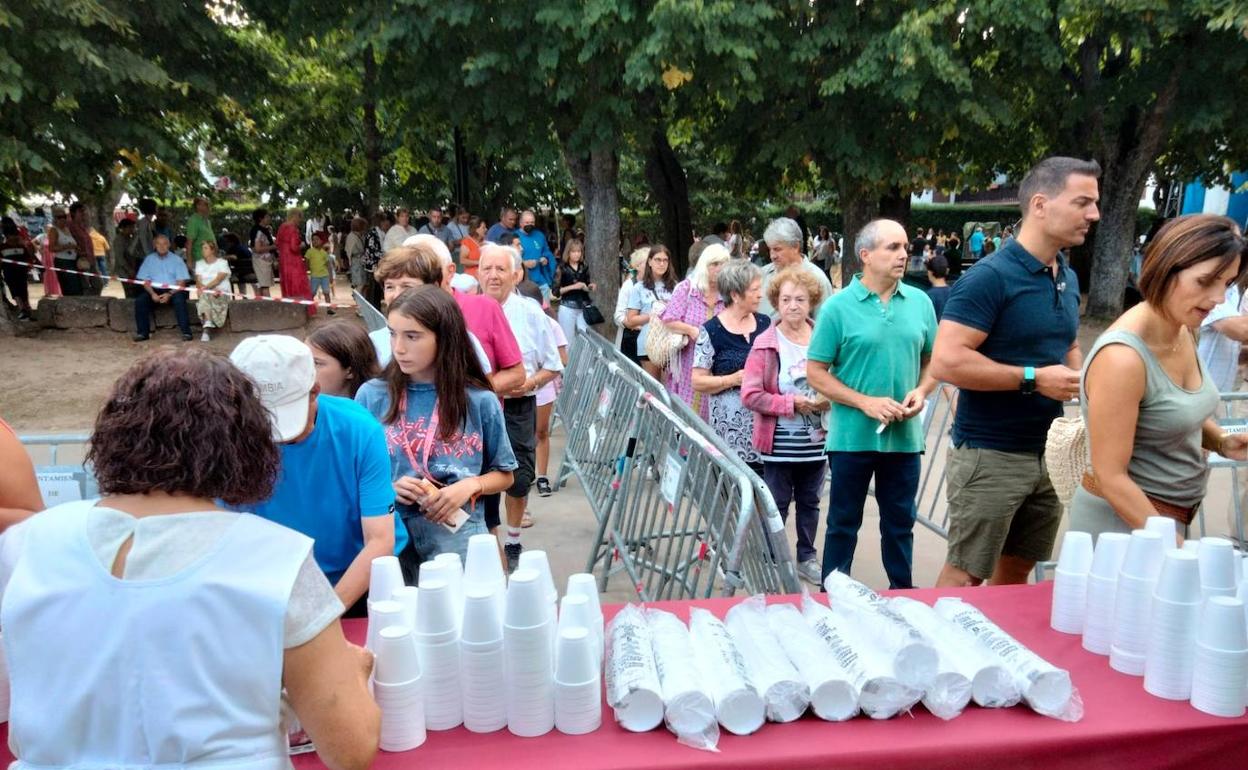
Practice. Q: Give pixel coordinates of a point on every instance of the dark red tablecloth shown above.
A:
(1123, 727)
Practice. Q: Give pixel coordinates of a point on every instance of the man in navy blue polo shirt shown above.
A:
(1008, 341)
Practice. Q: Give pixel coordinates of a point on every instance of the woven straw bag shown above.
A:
(1066, 455)
(662, 343)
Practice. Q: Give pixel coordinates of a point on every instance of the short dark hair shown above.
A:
(938, 266)
(147, 206)
(348, 343)
(75, 207)
(258, 215)
(185, 421)
(125, 224)
(719, 227)
(1048, 177)
(1186, 241)
(8, 226)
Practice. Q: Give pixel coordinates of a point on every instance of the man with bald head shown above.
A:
(869, 355)
(500, 270)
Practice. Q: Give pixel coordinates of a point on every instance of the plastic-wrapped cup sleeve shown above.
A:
(784, 692)
(632, 678)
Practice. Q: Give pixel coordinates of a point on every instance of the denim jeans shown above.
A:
(896, 482)
(429, 539)
(801, 484)
(144, 303)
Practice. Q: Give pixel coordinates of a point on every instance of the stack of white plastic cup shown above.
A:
(481, 663)
(529, 681)
(1172, 628)
(455, 576)
(1133, 601)
(536, 560)
(578, 683)
(1070, 586)
(444, 572)
(483, 570)
(575, 612)
(1165, 526)
(397, 690)
(437, 642)
(583, 584)
(409, 597)
(1217, 567)
(1098, 621)
(384, 577)
(1220, 674)
(382, 614)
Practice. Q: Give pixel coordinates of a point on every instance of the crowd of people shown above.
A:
(411, 440)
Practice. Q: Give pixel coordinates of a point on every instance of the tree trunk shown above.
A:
(461, 169)
(596, 176)
(1127, 157)
(859, 205)
(895, 204)
(372, 136)
(670, 188)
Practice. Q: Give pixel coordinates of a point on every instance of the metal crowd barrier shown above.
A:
(61, 482)
(372, 317)
(674, 509)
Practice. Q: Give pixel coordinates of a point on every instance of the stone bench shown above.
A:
(118, 314)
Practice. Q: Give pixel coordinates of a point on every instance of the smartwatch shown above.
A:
(1028, 385)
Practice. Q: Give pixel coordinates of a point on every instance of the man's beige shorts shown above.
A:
(1000, 503)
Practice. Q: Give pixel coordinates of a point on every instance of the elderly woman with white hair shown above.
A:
(694, 301)
(720, 353)
(784, 245)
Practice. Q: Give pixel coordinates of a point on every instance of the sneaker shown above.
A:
(331, 311)
(512, 552)
(810, 571)
(186, 338)
(140, 338)
(543, 487)
(204, 337)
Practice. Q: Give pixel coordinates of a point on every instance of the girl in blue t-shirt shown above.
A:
(444, 425)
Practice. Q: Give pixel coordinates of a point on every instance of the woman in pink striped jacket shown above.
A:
(788, 425)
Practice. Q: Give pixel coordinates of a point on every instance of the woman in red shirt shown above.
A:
(294, 271)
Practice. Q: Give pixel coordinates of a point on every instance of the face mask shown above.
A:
(528, 229)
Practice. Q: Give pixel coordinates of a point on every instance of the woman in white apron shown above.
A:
(151, 627)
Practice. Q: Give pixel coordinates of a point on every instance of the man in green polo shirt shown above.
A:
(869, 357)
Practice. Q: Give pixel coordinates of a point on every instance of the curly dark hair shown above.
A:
(185, 421)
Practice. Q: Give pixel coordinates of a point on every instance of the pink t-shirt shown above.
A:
(485, 319)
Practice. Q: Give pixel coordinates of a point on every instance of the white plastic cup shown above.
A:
(640, 711)
(1076, 554)
(1191, 545)
(1098, 621)
(482, 566)
(528, 603)
(583, 584)
(1144, 554)
(435, 613)
(1179, 580)
(1166, 527)
(382, 614)
(385, 577)
(1070, 594)
(575, 612)
(1107, 556)
(433, 570)
(1222, 625)
(455, 575)
(537, 560)
(576, 663)
(397, 660)
(481, 624)
(1217, 566)
(1133, 601)
(409, 597)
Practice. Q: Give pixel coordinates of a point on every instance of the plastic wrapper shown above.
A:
(1046, 688)
(881, 694)
(834, 688)
(914, 658)
(949, 692)
(783, 690)
(632, 678)
(688, 710)
(992, 684)
(738, 706)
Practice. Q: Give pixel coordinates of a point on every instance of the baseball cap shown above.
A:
(284, 374)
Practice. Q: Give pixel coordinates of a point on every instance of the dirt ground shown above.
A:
(57, 380)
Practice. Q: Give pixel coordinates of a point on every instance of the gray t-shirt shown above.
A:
(1167, 462)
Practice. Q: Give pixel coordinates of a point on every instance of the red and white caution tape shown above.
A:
(174, 286)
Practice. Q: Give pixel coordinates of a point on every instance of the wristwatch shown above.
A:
(1028, 385)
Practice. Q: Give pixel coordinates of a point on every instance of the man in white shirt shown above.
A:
(784, 244)
(1222, 333)
(500, 270)
(400, 231)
